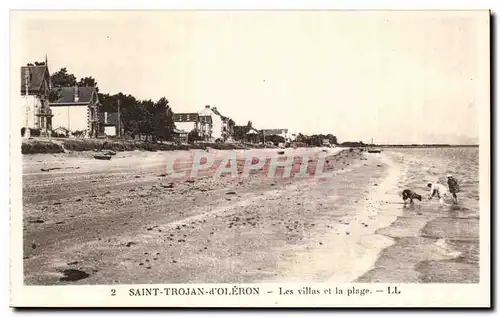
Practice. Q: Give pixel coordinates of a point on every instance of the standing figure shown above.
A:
(453, 186)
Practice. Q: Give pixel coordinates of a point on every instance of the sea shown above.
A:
(433, 242)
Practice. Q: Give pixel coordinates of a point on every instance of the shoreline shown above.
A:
(350, 246)
(430, 244)
(355, 246)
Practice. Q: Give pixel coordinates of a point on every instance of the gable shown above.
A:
(37, 75)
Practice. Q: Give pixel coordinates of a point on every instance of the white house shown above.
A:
(217, 123)
(221, 127)
(77, 109)
(290, 136)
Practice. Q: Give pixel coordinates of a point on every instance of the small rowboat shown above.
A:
(102, 157)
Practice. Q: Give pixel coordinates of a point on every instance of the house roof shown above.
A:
(61, 128)
(36, 76)
(67, 95)
(186, 117)
(216, 111)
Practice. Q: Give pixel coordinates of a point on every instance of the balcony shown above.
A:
(44, 112)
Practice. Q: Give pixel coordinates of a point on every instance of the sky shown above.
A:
(394, 76)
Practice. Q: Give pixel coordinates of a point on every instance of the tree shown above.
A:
(55, 94)
(88, 82)
(230, 125)
(162, 123)
(249, 124)
(240, 132)
(130, 111)
(276, 139)
(353, 144)
(36, 64)
(301, 138)
(194, 136)
(62, 78)
(332, 138)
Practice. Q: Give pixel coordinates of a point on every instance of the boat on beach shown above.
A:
(373, 149)
(102, 157)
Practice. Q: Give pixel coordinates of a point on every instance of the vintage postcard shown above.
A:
(191, 158)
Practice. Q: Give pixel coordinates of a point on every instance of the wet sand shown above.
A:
(431, 243)
(127, 221)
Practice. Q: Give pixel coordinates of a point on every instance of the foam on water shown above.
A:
(434, 242)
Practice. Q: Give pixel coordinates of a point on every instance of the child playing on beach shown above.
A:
(453, 186)
(437, 190)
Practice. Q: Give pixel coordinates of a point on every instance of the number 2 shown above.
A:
(113, 292)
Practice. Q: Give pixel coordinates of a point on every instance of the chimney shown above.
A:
(76, 93)
(207, 106)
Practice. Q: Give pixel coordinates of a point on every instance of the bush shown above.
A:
(79, 145)
(58, 135)
(32, 146)
(34, 132)
(40, 147)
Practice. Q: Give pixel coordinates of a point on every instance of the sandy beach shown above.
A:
(128, 221)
